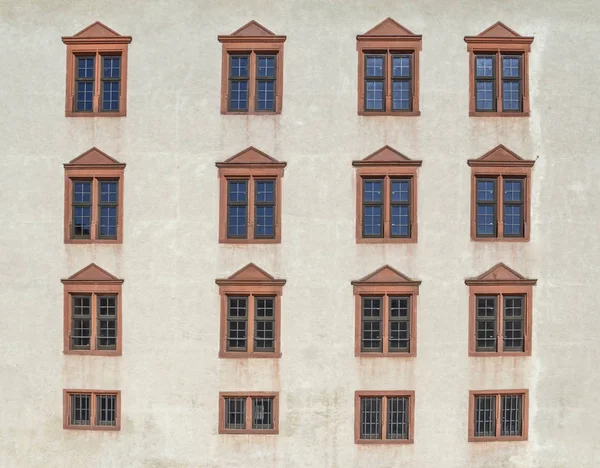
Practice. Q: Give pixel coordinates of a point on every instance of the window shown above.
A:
(501, 311)
(250, 314)
(496, 415)
(94, 199)
(250, 208)
(249, 413)
(501, 196)
(499, 72)
(388, 73)
(92, 313)
(386, 197)
(96, 72)
(386, 303)
(252, 75)
(98, 410)
(384, 417)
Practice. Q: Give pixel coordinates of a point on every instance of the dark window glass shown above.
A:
(512, 415)
(108, 208)
(511, 83)
(370, 417)
(238, 82)
(262, 413)
(485, 416)
(372, 208)
(486, 323)
(486, 207)
(81, 209)
(397, 418)
(81, 317)
(400, 207)
(80, 410)
(399, 323)
(265, 82)
(237, 323)
(84, 84)
(237, 208)
(111, 83)
(513, 208)
(106, 410)
(107, 322)
(375, 82)
(402, 82)
(514, 319)
(265, 209)
(372, 316)
(235, 413)
(485, 83)
(264, 324)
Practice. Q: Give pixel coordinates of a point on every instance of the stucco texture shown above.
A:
(170, 374)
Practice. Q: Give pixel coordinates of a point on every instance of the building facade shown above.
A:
(330, 234)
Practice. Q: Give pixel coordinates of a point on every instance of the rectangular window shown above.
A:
(264, 324)
(500, 207)
(81, 220)
(92, 410)
(111, 83)
(237, 323)
(486, 207)
(485, 83)
(91, 69)
(237, 208)
(252, 413)
(262, 213)
(266, 76)
(264, 226)
(498, 415)
(81, 327)
(384, 417)
(108, 209)
(238, 82)
(402, 82)
(375, 82)
(511, 83)
(94, 324)
(513, 207)
(372, 317)
(508, 324)
(489, 89)
(399, 324)
(372, 207)
(84, 83)
(400, 208)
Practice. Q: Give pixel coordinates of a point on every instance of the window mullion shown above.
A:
(251, 202)
(498, 415)
(387, 84)
(500, 322)
(251, 317)
(94, 197)
(498, 84)
(97, 78)
(385, 323)
(252, 82)
(92, 409)
(93, 324)
(500, 205)
(384, 402)
(386, 199)
(248, 415)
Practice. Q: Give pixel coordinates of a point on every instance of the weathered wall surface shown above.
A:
(169, 373)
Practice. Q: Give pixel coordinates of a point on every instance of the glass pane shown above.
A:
(265, 226)
(236, 225)
(513, 323)
(371, 324)
(80, 410)
(372, 220)
(237, 323)
(486, 324)
(512, 190)
(372, 190)
(370, 417)
(106, 410)
(484, 66)
(238, 100)
(108, 192)
(111, 67)
(486, 190)
(511, 415)
(108, 221)
(513, 220)
(374, 95)
(401, 99)
(262, 413)
(239, 66)
(82, 219)
(400, 190)
(485, 418)
(397, 410)
(265, 191)
(375, 66)
(265, 95)
(238, 191)
(266, 66)
(85, 67)
(85, 91)
(237, 307)
(82, 192)
(511, 66)
(400, 220)
(485, 95)
(401, 66)
(511, 95)
(399, 333)
(486, 220)
(110, 95)
(235, 413)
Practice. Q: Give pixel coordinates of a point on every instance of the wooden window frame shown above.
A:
(253, 40)
(387, 164)
(500, 163)
(96, 40)
(94, 166)
(500, 281)
(386, 282)
(250, 164)
(498, 394)
(92, 281)
(389, 38)
(499, 40)
(249, 396)
(251, 282)
(385, 394)
(93, 394)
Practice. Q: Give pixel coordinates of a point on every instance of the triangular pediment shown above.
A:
(97, 29)
(253, 28)
(385, 274)
(251, 273)
(92, 272)
(500, 272)
(389, 27)
(97, 33)
(251, 156)
(386, 154)
(93, 156)
(498, 29)
(500, 154)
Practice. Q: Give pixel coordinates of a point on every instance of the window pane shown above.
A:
(374, 66)
(80, 410)
(237, 321)
(111, 67)
(239, 66)
(400, 220)
(372, 221)
(511, 95)
(485, 95)
(513, 220)
(238, 191)
(85, 67)
(397, 426)
(235, 413)
(110, 95)
(107, 322)
(370, 417)
(372, 190)
(514, 318)
(401, 99)
(486, 324)
(264, 326)
(262, 413)
(238, 100)
(82, 218)
(512, 415)
(265, 226)
(266, 66)
(85, 92)
(108, 192)
(511, 67)
(512, 190)
(399, 323)
(400, 190)
(374, 95)
(486, 190)
(265, 95)
(371, 324)
(265, 191)
(237, 221)
(484, 66)
(106, 410)
(81, 315)
(401, 66)
(485, 417)
(486, 220)
(82, 192)
(108, 221)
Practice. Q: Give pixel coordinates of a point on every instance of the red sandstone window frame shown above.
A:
(93, 281)
(252, 39)
(496, 40)
(498, 394)
(97, 39)
(249, 396)
(252, 282)
(389, 37)
(250, 164)
(500, 163)
(384, 395)
(385, 282)
(500, 281)
(93, 394)
(387, 163)
(95, 166)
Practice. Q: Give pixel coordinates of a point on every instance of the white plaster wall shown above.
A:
(169, 373)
